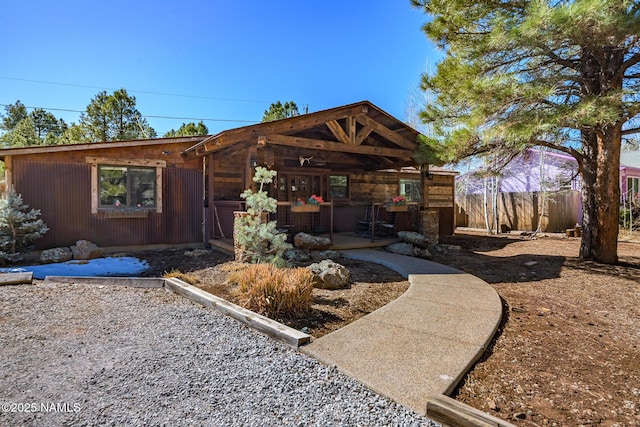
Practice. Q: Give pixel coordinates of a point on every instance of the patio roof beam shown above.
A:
(338, 132)
(386, 132)
(319, 144)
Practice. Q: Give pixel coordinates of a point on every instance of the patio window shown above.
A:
(338, 187)
(411, 189)
(127, 187)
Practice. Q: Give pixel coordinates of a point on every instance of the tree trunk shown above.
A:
(486, 205)
(601, 195)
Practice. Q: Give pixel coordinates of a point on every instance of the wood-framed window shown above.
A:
(411, 189)
(338, 187)
(126, 184)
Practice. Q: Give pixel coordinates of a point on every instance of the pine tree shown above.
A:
(564, 75)
(18, 225)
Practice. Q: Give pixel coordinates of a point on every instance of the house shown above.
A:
(183, 191)
(534, 177)
(630, 175)
(124, 193)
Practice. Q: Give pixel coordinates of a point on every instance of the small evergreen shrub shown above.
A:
(19, 226)
(258, 238)
(278, 293)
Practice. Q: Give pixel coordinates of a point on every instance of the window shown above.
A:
(127, 187)
(120, 186)
(410, 189)
(338, 187)
(633, 186)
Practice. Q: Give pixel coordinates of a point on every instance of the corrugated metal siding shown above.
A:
(62, 191)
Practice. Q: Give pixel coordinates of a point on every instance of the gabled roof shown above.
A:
(361, 129)
(370, 137)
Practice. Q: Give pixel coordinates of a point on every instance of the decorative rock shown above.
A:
(328, 274)
(401, 248)
(296, 255)
(56, 255)
(414, 238)
(422, 253)
(84, 249)
(322, 255)
(307, 241)
(408, 249)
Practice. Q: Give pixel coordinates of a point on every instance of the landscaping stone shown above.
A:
(322, 255)
(402, 248)
(414, 238)
(422, 253)
(56, 255)
(307, 241)
(296, 255)
(84, 249)
(328, 274)
(408, 249)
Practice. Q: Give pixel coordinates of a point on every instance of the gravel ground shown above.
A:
(80, 355)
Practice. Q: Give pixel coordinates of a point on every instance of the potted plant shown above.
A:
(398, 204)
(310, 205)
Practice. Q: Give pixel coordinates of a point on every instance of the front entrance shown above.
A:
(297, 187)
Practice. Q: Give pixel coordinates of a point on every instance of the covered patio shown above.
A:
(357, 158)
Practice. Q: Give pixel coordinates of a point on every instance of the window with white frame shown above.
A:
(633, 187)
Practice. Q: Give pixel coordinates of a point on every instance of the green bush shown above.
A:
(278, 293)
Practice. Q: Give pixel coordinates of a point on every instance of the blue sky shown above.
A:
(228, 60)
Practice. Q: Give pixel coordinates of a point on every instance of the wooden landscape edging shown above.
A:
(450, 412)
(253, 320)
(16, 278)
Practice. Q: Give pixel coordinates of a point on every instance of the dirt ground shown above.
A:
(567, 352)
(373, 286)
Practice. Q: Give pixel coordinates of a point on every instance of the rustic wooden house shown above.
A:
(183, 191)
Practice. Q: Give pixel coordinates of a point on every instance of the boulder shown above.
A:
(296, 255)
(414, 238)
(422, 253)
(408, 249)
(401, 248)
(84, 249)
(328, 274)
(56, 255)
(322, 255)
(307, 241)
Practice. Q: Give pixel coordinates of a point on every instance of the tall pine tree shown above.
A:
(558, 74)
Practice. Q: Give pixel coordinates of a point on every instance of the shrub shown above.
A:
(19, 226)
(274, 292)
(258, 238)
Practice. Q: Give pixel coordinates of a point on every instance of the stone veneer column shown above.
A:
(431, 225)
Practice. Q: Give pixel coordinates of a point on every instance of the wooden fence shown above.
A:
(521, 211)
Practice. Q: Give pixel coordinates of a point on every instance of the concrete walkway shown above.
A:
(424, 342)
